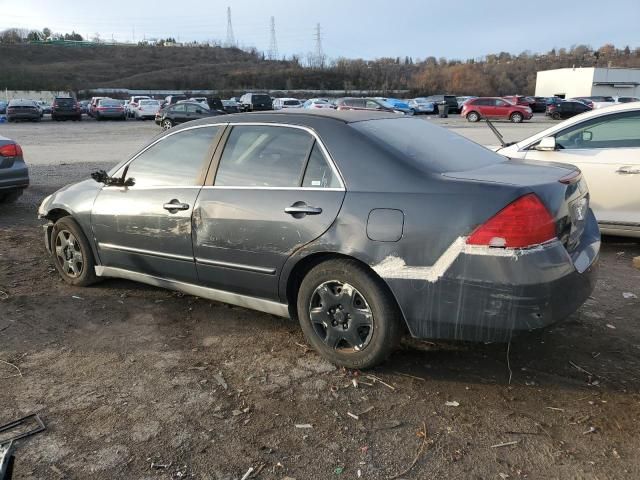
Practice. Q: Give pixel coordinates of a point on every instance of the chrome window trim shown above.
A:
(142, 251)
(311, 132)
(258, 187)
(236, 266)
(253, 303)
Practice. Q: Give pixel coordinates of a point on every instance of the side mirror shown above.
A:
(547, 144)
(102, 176)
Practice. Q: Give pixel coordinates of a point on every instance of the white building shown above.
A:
(587, 82)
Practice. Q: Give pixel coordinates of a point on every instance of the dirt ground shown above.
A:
(142, 383)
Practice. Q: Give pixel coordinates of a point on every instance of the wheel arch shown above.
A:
(304, 265)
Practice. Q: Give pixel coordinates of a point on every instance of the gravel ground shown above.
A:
(138, 382)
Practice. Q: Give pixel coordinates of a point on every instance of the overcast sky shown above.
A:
(350, 28)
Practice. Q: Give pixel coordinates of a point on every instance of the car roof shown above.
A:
(304, 117)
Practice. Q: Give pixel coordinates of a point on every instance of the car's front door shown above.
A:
(274, 191)
(146, 228)
(500, 108)
(607, 150)
(179, 113)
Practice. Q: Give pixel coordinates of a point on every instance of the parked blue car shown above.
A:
(399, 105)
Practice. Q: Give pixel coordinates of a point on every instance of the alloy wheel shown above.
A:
(69, 254)
(167, 124)
(341, 316)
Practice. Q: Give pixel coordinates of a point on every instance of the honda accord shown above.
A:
(360, 225)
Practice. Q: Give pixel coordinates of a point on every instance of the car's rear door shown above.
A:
(146, 228)
(607, 150)
(275, 190)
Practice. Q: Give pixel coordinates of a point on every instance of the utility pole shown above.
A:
(231, 40)
(319, 55)
(273, 44)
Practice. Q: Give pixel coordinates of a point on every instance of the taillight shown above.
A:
(11, 150)
(523, 223)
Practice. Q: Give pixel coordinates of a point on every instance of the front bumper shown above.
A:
(488, 297)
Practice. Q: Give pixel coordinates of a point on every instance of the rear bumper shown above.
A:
(15, 177)
(24, 116)
(488, 296)
(66, 114)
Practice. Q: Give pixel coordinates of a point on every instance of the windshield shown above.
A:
(427, 145)
(291, 102)
(261, 98)
(149, 102)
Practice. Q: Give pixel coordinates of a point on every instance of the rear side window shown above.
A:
(264, 156)
(318, 173)
(176, 160)
(426, 146)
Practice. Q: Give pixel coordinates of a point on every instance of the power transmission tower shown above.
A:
(273, 44)
(231, 40)
(319, 55)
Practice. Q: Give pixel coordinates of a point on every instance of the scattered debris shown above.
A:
(579, 368)
(505, 444)
(159, 466)
(220, 379)
(77, 297)
(3, 295)
(366, 410)
(304, 347)
(379, 380)
(509, 361)
(591, 430)
(19, 374)
(421, 448)
(354, 381)
(410, 376)
(353, 415)
(359, 472)
(556, 409)
(236, 412)
(304, 425)
(452, 404)
(628, 295)
(246, 475)
(338, 470)
(636, 262)
(613, 327)
(615, 452)
(388, 424)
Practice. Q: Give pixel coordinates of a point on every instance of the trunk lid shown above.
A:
(566, 198)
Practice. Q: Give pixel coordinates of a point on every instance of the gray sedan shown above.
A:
(14, 173)
(360, 225)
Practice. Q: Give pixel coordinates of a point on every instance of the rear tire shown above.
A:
(72, 254)
(516, 117)
(555, 116)
(348, 315)
(473, 117)
(167, 124)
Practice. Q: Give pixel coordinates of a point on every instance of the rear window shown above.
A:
(109, 103)
(65, 101)
(260, 98)
(149, 102)
(427, 146)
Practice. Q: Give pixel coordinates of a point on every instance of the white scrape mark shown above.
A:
(395, 267)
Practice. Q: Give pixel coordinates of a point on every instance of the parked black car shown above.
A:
(14, 174)
(64, 108)
(253, 102)
(566, 109)
(230, 106)
(183, 112)
(360, 225)
(450, 100)
(538, 104)
(215, 103)
(21, 109)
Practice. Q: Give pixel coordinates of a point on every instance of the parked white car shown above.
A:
(146, 109)
(605, 145)
(201, 100)
(132, 104)
(283, 103)
(317, 103)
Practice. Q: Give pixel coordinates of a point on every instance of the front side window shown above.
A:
(264, 156)
(176, 160)
(179, 109)
(621, 130)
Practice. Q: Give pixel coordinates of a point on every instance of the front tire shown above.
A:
(72, 255)
(473, 117)
(167, 124)
(516, 117)
(555, 116)
(348, 314)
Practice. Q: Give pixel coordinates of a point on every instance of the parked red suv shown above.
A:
(519, 100)
(493, 107)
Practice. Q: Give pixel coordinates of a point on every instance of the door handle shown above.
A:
(628, 171)
(300, 209)
(174, 205)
